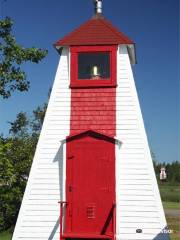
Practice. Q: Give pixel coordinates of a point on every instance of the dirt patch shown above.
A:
(172, 213)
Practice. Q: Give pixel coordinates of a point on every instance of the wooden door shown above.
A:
(90, 186)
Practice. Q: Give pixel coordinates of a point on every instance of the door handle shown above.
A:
(70, 188)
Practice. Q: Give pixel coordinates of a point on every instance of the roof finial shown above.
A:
(98, 6)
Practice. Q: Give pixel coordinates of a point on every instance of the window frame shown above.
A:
(88, 83)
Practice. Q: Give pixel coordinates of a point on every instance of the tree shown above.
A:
(12, 56)
(15, 161)
(19, 126)
(38, 118)
(16, 154)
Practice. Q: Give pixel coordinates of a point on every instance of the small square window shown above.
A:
(94, 66)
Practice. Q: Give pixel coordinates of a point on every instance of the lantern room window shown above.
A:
(93, 66)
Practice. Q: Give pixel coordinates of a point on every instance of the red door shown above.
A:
(90, 187)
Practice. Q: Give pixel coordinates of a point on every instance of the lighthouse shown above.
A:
(92, 175)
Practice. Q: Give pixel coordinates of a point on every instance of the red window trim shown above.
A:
(77, 83)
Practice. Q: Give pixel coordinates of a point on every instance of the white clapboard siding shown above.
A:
(39, 214)
(137, 196)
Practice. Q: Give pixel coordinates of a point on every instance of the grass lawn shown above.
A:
(171, 205)
(174, 225)
(170, 196)
(169, 193)
(173, 222)
(6, 235)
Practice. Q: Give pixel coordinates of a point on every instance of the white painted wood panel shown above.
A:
(29, 225)
(27, 234)
(39, 214)
(138, 200)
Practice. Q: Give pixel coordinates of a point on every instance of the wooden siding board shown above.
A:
(137, 195)
(40, 209)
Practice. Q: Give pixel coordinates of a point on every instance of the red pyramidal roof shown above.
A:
(96, 31)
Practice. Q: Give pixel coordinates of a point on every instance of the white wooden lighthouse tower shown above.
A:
(93, 154)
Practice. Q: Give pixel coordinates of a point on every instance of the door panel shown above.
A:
(90, 186)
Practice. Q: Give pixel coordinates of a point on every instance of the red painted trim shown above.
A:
(92, 133)
(93, 48)
(85, 83)
(61, 217)
(87, 236)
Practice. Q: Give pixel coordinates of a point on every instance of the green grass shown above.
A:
(169, 193)
(171, 200)
(6, 235)
(174, 225)
(171, 205)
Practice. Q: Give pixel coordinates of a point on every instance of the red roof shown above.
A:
(96, 31)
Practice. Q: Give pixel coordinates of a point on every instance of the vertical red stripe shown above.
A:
(93, 109)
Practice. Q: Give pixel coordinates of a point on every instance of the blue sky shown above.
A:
(152, 24)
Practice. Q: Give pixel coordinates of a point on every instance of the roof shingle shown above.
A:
(96, 31)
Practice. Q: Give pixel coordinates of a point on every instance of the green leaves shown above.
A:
(15, 160)
(12, 56)
(16, 154)
(6, 166)
(20, 124)
(17, 150)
